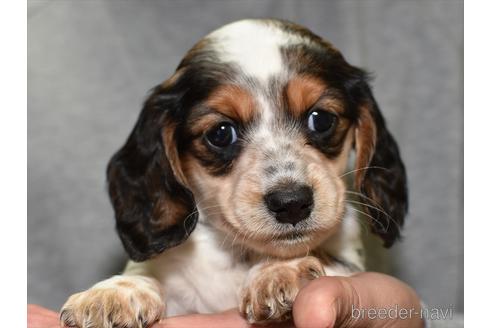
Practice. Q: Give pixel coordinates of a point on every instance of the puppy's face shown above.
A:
(254, 130)
(264, 161)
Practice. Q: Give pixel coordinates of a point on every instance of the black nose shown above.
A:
(290, 204)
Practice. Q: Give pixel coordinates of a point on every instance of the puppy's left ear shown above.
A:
(380, 173)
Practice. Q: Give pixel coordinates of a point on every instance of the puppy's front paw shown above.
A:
(128, 302)
(272, 287)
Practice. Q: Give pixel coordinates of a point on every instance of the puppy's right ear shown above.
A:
(153, 208)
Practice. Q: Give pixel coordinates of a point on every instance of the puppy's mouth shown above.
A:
(291, 236)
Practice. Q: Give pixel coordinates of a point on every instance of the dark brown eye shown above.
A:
(321, 121)
(223, 135)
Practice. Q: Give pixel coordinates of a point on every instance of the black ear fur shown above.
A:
(384, 182)
(154, 211)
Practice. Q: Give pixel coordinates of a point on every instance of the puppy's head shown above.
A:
(253, 131)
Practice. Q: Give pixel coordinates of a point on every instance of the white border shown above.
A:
(477, 162)
(13, 162)
(478, 124)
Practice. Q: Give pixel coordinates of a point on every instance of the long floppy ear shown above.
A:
(153, 208)
(380, 173)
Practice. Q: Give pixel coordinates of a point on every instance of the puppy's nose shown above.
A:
(290, 204)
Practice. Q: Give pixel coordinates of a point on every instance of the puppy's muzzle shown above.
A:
(290, 204)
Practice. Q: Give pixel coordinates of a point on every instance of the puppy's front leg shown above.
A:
(271, 288)
(129, 300)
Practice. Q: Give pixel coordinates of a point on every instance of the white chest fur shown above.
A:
(204, 275)
(201, 275)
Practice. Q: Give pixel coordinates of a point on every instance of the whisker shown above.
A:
(226, 237)
(379, 208)
(370, 206)
(364, 224)
(365, 197)
(307, 248)
(373, 219)
(233, 240)
(363, 168)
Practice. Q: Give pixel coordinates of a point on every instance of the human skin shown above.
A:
(323, 303)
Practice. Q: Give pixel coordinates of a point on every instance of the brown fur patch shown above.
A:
(167, 213)
(173, 79)
(232, 101)
(204, 122)
(304, 91)
(200, 47)
(172, 153)
(365, 143)
(299, 30)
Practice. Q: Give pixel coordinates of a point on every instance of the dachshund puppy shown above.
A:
(232, 190)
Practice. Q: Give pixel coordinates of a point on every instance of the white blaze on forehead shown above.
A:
(253, 45)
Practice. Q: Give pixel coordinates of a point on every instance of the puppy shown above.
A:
(232, 190)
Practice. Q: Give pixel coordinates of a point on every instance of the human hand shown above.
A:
(339, 301)
(39, 317)
(324, 302)
(328, 302)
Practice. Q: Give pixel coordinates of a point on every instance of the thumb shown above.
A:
(341, 301)
(325, 303)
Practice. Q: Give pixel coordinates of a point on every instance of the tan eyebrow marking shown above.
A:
(304, 91)
(232, 101)
(204, 123)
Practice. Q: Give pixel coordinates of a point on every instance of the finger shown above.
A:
(39, 317)
(316, 305)
(385, 293)
(228, 319)
(331, 301)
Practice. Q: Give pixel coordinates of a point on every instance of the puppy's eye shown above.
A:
(221, 136)
(321, 121)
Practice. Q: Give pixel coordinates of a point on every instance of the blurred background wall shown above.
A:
(90, 64)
